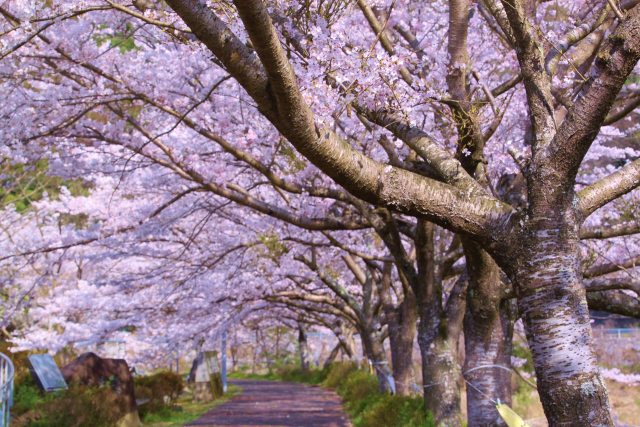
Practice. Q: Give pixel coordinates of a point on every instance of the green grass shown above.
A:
(27, 396)
(286, 373)
(189, 410)
(252, 376)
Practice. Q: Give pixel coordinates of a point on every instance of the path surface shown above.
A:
(268, 403)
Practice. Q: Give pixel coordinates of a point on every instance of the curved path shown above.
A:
(268, 403)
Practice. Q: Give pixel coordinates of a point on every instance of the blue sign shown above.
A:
(46, 372)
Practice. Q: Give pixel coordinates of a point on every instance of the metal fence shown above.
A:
(6, 389)
(616, 333)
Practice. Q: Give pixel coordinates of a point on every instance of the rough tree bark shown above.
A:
(373, 349)
(438, 333)
(488, 332)
(303, 348)
(544, 263)
(401, 322)
(552, 301)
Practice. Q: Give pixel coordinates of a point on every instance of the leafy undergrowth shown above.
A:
(82, 406)
(366, 406)
(184, 410)
(78, 406)
(160, 390)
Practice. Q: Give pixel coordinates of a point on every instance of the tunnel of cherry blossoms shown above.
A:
(430, 209)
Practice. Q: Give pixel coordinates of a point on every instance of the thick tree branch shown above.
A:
(497, 12)
(612, 267)
(446, 167)
(365, 178)
(237, 58)
(580, 127)
(604, 284)
(617, 302)
(609, 188)
(572, 38)
(606, 232)
(537, 82)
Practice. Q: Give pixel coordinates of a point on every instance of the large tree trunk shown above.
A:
(488, 332)
(402, 334)
(332, 355)
(488, 344)
(374, 351)
(401, 322)
(438, 333)
(441, 377)
(552, 301)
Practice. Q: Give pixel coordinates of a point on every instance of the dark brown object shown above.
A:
(91, 370)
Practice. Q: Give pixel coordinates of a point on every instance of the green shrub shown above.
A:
(77, 407)
(26, 396)
(155, 387)
(523, 352)
(396, 411)
(359, 390)
(296, 374)
(20, 362)
(522, 398)
(367, 406)
(338, 372)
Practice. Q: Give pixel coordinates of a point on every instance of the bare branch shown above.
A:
(622, 111)
(357, 271)
(381, 34)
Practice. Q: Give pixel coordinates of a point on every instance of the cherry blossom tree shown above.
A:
(512, 144)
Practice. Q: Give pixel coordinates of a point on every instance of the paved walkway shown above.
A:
(268, 403)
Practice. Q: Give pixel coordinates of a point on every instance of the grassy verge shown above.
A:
(364, 404)
(188, 410)
(101, 407)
